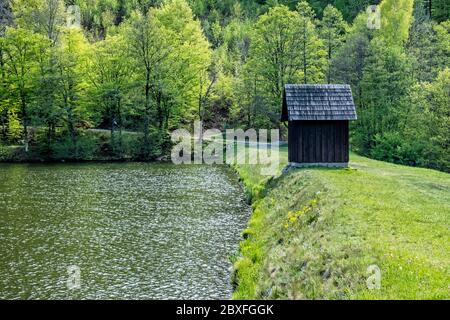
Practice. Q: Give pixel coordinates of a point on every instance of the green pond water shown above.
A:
(134, 231)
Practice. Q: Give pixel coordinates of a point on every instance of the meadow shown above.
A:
(314, 233)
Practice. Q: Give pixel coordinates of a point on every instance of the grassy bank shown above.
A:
(314, 233)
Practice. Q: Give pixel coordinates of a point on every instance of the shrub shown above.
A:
(84, 148)
(387, 147)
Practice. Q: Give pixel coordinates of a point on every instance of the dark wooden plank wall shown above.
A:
(318, 141)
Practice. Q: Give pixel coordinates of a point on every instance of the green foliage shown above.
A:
(184, 72)
(285, 48)
(84, 148)
(428, 124)
(14, 132)
(332, 31)
(71, 61)
(396, 19)
(440, 10)
(386, 78)
(99, 16)
(171, 58)
(110, 74)
(348, 64)
(21, 49)
(391, 76)
(349, 8)
(311, 49)
(392, 147)
(156, 65)
(6, 16)
(428, 46)
(273, 45)
(45, 17)
(442, 31)
(422, 46)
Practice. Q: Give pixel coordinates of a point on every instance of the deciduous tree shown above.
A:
(111, 74)
(21, 48)
(332, 31)
(71, 58)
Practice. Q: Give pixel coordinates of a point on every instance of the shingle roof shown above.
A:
(318, 102)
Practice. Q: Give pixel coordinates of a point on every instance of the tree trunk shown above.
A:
(167, 115)
(119, 122)
(430, 11)
(25, 135)
(112, 120)
(200, 113)
(71, 125)
(159, 108)
(70, 116)
(49, 134)
(305, 79)
(147, 115)
(23, 110)
(329, 58)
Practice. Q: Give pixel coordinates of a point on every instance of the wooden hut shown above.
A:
(318, 118)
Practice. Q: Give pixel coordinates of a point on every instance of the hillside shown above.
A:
(152, 67)
(314, 233)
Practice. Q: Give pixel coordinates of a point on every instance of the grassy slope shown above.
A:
(314, 232)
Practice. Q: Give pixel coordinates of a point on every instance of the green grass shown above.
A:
(314, 233)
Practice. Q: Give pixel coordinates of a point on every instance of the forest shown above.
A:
(116, 85)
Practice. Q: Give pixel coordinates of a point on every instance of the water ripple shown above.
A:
(137, 231)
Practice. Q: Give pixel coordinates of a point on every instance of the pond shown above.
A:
(118, 231)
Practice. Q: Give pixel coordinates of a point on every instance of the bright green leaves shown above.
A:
(332, 30)
(21, 49)
(286, 49)
(396, 19)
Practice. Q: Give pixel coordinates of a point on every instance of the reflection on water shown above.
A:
(136, 231)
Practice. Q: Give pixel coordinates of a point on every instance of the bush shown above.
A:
(392, 147)
(160, 144)
(131, 146)
(84, 148)
(14, 131)
(89, 145)
(13, 154)
(386, 147)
